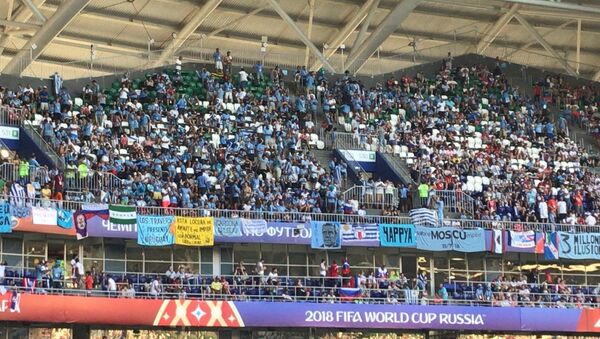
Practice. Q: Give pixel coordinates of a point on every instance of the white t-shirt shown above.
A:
(2, 271)
(154, 287)
(124, 93)
(178, 64)
(543, 210)
(80, 270)
(562, 207)
(243, 76)
(590, 220)
(112, 285)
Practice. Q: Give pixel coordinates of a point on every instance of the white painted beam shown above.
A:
(44, 36)
(300, 34)
(18, 24)
(531, 43)
(196, 19)
(558, 5)
(492, 33)
(578, 55)
(348, 29)
(364, 28)
(391, 22)
(33, 8)
(545, 44)
(311, 14)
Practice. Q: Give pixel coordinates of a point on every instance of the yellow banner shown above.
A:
(194, 231)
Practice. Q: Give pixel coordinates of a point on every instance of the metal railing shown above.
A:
(10, 172)
(73, 180)
(42, 144)
(368, 196)
(302, 217)
(10, 116)
(94, 181)
(349, 141)
(305, 289)
(454, 201)
(361, 173)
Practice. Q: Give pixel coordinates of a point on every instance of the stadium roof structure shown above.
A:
(78, 38)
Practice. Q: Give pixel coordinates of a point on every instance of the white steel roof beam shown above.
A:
(33, 8)
(348, 29)
(44, 36)
(364, 28)
(545, 44)
(311, 14)
(492, 33)
(301, 34)
(391, 22)
(558, 5)
(531, 43)
(196, 19)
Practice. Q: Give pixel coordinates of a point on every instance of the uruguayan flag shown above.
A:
(423, 217)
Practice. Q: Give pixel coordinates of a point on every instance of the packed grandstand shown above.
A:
(205, 195)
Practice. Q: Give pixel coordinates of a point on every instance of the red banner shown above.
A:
(118, 311)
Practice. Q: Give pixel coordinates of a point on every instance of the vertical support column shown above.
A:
(311, 13)
(216, 261)
(431, 278)
(578, 45)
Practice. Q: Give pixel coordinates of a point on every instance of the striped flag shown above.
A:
(17, 194)
(360, 234)
(347, 294)
(551, 246)
(124, 215)
(423, 217)
(497, 244)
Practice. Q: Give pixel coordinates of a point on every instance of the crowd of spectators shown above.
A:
(333, 284)
(577, 103)
(243, 140)
(200, 139)
(468, 130)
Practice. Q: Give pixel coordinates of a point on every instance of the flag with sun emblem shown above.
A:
(366, 235)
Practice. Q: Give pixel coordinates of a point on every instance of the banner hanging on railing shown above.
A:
(231, 231)
(64, 218)
(397, 235)
(450, 239)
(325, 235)
(579, 245)
(155, 230)
(5, 218)
(22, 221)
(122, 215)
(194, 231)
(524, 242)
(365, 235)
(99, 223)
(80, 223)
(44, 216)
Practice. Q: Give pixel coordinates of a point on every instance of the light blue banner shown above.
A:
(5, 218)
(450, 239)
(325, 235)
(64, 218)
(155, 230)
(397, 235)
(225, 227)
(579, 245)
